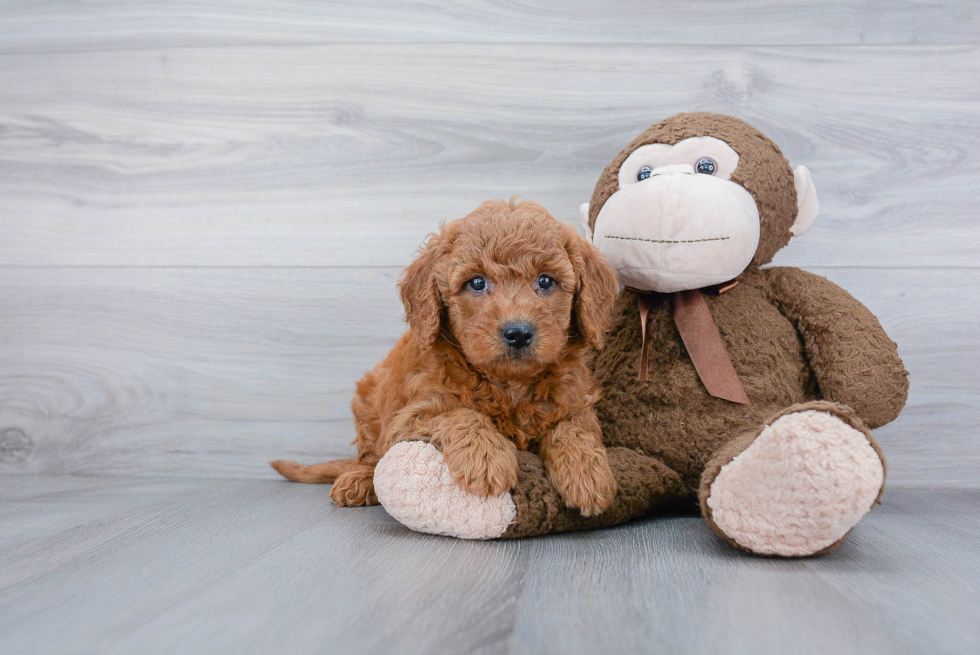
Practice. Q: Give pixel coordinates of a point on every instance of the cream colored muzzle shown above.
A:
(678, 230)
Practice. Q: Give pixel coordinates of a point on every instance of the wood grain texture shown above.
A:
(347, 154)
(68, 26)
(214, 372)
(203, 212)
(165, 566)
(186, 362)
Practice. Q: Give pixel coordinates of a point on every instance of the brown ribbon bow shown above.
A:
(703, 341)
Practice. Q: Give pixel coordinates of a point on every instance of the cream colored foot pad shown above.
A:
(804, 482)
(415, 487)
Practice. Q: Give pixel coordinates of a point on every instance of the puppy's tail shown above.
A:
(324, 473)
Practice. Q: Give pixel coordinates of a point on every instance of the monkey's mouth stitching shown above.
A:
(668, 241)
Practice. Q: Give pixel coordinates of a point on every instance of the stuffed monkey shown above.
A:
(749, 390)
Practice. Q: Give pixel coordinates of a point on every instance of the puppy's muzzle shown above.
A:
(517, 335)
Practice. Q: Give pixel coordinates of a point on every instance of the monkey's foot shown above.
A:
(797, 488)
(414, 485)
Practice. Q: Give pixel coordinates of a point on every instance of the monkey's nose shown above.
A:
(673, 169)
(517, 335)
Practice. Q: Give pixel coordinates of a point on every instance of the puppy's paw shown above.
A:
(484, 466)
(583, 478)
(355, 488)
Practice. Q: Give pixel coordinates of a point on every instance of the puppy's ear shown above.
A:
(595, 289)
(419, 291)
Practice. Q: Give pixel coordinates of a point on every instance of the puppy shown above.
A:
(505, 307)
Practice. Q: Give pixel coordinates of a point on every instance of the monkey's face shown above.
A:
(677, 221)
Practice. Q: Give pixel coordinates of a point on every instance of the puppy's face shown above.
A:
(509, 298)
(512, 286)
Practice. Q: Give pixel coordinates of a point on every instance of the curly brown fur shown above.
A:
(454, 382)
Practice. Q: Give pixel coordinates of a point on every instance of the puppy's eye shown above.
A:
(545, 282)
(477, 284)
(644, 173)
(706, 165)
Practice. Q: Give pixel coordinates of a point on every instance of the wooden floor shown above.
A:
(122, 565)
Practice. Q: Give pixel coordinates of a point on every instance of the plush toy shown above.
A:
(752, 390)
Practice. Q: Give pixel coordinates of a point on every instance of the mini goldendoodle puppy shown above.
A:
(505, 307)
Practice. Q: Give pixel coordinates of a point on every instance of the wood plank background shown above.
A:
(120, 24)
(203, 211)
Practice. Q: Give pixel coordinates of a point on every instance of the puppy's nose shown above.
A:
(517, 335)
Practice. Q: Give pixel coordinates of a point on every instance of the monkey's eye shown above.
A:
(545, 282)
(477, 284)
(706, 165)
(644, 173)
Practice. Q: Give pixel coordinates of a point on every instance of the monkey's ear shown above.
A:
(583, 214)
(806, 201)
(595, 289)
(419, 291)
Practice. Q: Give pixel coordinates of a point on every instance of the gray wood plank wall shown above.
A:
(203, 212)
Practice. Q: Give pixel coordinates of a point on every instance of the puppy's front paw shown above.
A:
(482, 466)
(584, 480)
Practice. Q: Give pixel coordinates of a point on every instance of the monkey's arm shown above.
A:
(643, 484)
(854, 360)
